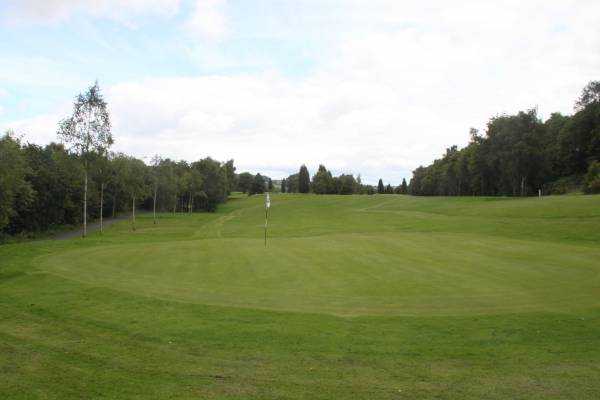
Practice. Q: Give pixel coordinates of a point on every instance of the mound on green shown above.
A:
(368, 297)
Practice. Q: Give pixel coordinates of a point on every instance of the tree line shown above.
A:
(253, 184)
(42, 187)
(522, 155)
(323, 182)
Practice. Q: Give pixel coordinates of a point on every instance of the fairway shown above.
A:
(380, 296)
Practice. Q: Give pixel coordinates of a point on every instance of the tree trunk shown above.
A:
(101, 204)
(154, 206)
(133, 212)
(522, 185)
(114, 205)
(85, 187)
(175, 205)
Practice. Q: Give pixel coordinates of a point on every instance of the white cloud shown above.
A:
(404, 80)
(208, 20)
(58, 11)
(40, 129)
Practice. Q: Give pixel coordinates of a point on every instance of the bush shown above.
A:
(568, 184)
(591, 182)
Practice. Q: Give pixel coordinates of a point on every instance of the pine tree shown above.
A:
(380, 187)
(404, 187)
(303, 180)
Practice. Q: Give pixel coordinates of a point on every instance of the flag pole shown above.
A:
(267, 206)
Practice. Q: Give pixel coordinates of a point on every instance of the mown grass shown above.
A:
(388, 297)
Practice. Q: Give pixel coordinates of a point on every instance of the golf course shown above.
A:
(362, 297)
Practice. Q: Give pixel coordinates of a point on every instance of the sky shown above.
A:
(373, 87)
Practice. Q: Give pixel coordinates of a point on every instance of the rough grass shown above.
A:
(368, 297)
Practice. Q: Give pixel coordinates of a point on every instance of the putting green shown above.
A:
(384, 255)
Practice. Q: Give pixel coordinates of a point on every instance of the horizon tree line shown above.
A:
(323, 182)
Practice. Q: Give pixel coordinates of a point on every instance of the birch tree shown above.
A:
(135, 182)
(193, 185)
(102, 173)
(156, 161)
(87, 131)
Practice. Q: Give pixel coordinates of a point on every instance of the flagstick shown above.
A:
(267, 206)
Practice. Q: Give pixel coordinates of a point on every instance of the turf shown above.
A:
(390, 297)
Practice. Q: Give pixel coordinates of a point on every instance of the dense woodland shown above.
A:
(520, 155)
(43, 187)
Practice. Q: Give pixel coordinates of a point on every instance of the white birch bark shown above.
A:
(101, 205)
(85, 188)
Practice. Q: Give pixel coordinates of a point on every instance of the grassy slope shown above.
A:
(362, 297)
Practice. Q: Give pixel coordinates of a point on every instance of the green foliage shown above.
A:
(244, 182)
(403, 187)
(303, 180)
(292, 183)
(214, 182)
(380, 187)
(258, 185)
(88, 128)
(589, 95)
(231, 176)
(592, 178)
(579, 140)
(42, 187)
(166, 184)
(322, 182)
(564, 185)
(519, 155)
(134, 175)
(345, 184)
(55, 178)
(15, 191)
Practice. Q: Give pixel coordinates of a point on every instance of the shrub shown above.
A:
(591, 183)
(568, 184)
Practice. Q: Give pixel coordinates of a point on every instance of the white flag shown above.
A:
(268, 201)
